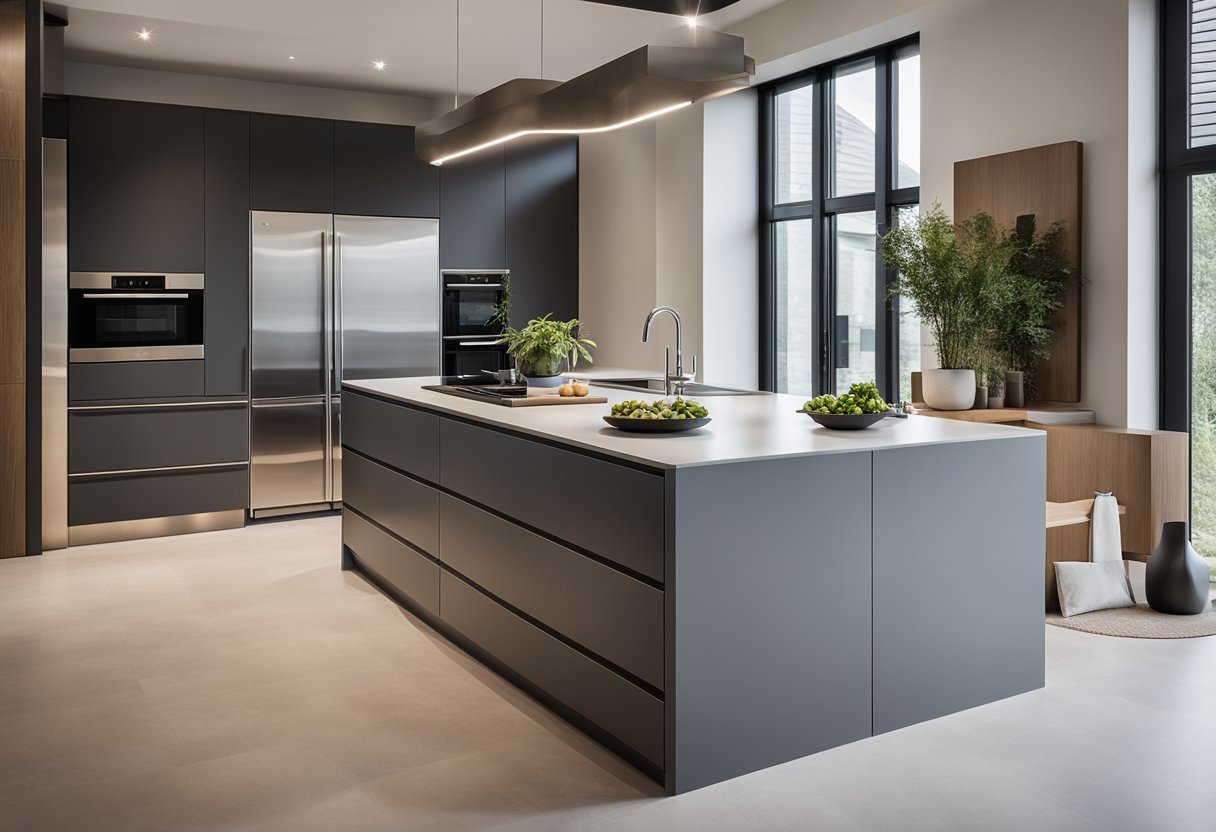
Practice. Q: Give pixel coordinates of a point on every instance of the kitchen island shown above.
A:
(713, 603)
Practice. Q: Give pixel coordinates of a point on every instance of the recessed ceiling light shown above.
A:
(379, 65)
(291, 57)
(144, 34)
(691, 20)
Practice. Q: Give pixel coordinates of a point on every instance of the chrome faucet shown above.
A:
(673, 383)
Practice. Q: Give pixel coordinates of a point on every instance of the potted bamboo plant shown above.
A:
(949, 276)
(544, 349)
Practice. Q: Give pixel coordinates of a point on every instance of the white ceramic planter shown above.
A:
(949, 389)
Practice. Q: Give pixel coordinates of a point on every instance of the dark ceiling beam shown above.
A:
(680, 7)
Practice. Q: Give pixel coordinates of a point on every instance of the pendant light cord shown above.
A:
(456, 93)
(542, 38)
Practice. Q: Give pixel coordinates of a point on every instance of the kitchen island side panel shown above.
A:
(768, 617)
(958, 577)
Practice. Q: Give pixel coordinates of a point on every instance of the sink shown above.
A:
(656, 387)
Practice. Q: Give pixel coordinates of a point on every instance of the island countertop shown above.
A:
(744, 428)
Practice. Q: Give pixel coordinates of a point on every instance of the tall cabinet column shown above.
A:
(13, 208)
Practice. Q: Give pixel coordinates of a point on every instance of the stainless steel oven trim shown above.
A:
(104, 280)
(97, 355)
(164, 469)
(478, 344)
(472, 286)
(135, 296)
(503, 272)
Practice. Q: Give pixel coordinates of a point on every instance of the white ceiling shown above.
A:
(334, 43)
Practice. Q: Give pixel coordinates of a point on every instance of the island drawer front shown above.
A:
(406, 507)
(619, 707)
(408, 572)
(609, 613)
(609, 509)
(394, 434)
(112, 439)
(139, 496)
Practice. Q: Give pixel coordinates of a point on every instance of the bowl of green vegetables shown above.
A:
(672, 415)
(855, 410)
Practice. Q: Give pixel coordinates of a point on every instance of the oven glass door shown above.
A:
(135, 319)
(470, 311)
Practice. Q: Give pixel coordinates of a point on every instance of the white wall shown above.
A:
(667, 216)
(617, 244)
(999, 76)
(730, 300)
(127, 83)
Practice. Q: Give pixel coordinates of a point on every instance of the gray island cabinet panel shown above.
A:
(958, 577)
(768, 621)
(609, 509)
(406, 507)
(397, 436)
(604, 610)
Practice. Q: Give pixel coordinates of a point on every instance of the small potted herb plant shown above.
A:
(544, 349)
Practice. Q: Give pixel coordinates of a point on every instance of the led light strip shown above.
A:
(562, 132)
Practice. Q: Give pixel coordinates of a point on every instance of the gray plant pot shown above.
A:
(981, 398)
(996, 402)
(1015, 389)
(1176, 578)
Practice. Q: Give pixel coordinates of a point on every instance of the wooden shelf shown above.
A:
(1072, 513)
(1000, 415)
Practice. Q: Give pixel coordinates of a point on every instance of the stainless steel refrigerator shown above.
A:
(333, 298)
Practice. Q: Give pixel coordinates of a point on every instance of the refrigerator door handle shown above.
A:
(336, 366)
(327, 333)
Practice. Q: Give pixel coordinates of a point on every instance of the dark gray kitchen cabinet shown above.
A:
(226, 236)
(377, 173)
(135, 187)
(473, 212)
(291, 164)
(542, 227)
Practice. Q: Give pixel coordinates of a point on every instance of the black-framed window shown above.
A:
(840, 162)
(1188, 248)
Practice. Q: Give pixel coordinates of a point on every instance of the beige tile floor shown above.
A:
(239, 681)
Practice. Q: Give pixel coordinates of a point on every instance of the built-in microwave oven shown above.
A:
(134, 317)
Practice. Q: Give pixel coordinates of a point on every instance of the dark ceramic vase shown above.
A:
(1015, 391)
(1176, 579)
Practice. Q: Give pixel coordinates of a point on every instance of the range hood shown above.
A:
(642, 84)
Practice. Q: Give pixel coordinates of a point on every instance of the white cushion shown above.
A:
(1085, 587)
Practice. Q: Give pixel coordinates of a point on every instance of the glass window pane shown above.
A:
(856, 299)
(1203, 367)
(794, 252)
(909, 326)
(795, 145)
(907, 122)
(1202, 71)
(853, 125)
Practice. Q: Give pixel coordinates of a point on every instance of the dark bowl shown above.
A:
(847, 422)
(656, 425)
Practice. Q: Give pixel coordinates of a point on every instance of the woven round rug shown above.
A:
(1139, 621)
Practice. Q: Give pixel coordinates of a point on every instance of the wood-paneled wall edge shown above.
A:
(12, 275)
(1047, 182)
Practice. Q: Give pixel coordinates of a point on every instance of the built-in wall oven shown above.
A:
(134, 317)
(470, 329)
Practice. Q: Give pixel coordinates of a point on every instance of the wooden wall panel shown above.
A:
(1044, 181)
(12, 470)
(12, 278)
